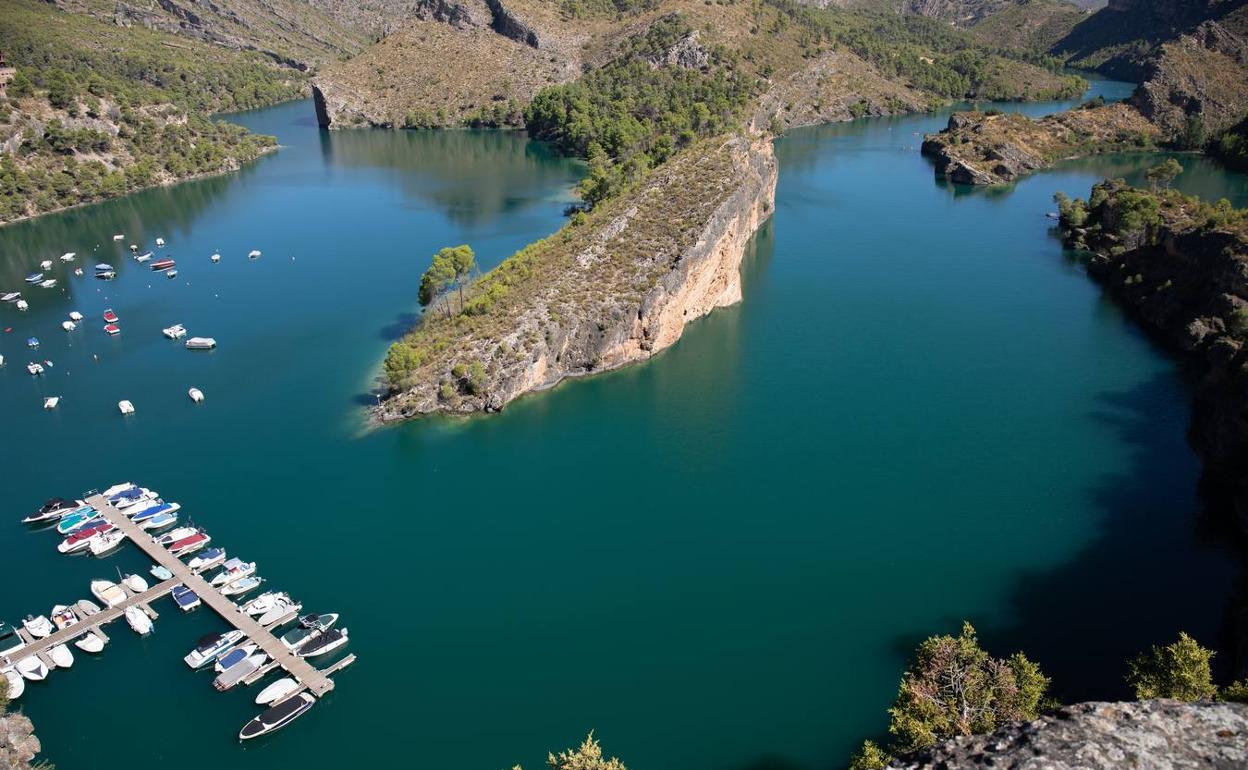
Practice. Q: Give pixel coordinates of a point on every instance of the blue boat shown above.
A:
(236, 655)
(185, 598)
(32, 342)
(133, 493)
(103, 268)
(161, 520)
(34, 278)
(77, 520)
(154, 510)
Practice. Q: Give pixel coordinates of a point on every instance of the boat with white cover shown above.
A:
(50, 402)
(135, 583)
(169, 538)
(61, 656)
(75, 316)
(201, 343)
(125, 407)
(68, 256)
(17, 685)
(108, 592)
(265, 602)
(160, 572)
(68, 326)
(175, 332)
(117, 489)
(87, 608)
(277, 717)
(139, 621)
(196, 395)
(209, 647)
(277, 691)
(32, 668)
(89, 642)
(234, 569)
(106, 542)
(278, 612)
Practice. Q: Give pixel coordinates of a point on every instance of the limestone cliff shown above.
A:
(598, 295)
(1144, 735)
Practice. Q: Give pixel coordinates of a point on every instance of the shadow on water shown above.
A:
(1071, 619)
(403, 323)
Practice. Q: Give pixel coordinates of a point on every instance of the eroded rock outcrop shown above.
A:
(1201, 76)
(610, 292)
(18, 744)
(1144, 735)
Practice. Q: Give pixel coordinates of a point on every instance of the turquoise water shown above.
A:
(922, 412)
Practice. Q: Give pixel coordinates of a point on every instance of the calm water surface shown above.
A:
(922, 412)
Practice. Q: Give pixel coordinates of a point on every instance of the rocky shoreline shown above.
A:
(548, 338)
(18, 744)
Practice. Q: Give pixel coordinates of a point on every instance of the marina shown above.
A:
(100, 522)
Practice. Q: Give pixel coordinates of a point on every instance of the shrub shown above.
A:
(1179, 670)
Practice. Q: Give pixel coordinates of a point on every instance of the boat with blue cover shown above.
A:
(77, 520)
(152, 511)
(34, 278)
(160, 521)
(185, 598)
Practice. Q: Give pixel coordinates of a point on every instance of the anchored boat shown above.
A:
(277, 717)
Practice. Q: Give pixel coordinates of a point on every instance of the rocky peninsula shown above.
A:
(18, 744)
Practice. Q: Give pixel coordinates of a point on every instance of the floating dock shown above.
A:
(307, 675)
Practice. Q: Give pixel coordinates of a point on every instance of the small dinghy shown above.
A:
(196, 395)
(90, 642)
(38, 627)
(68, 326)
(215, 258)
(125, 407)
(201, 343)
(175, 332)
(46, 264)
(279, 690)
(32, 668)
(139, 621)
(63, 617)
(135, 583)
(22, 305)
(143, 257)
(110, 316)
(32, 342)
(185, 598)
(68, 256)
(171, 274)
(236, 655)
(50, 402)
(87, 608)
(106, 275)
(119, 237)
(112, 329)
(278, 716)
(207, 560)
(77, 271)
(75, 316)
(162, 264)
(48, 284)
(17, 685)
(253, 254)
(34, 368)
(161, 572)
(108, 592)
(160, 242)
(61, 656)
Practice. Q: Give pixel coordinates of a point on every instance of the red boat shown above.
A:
(112, 328)
(163, 264)
(78, 540)
(188, 544)
(110, 316)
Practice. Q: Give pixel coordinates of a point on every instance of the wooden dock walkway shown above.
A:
(305, 673)
(38, 647)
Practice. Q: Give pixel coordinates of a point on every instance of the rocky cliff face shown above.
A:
(1145, 735)
(627, 285)
(18, 744)
(1186, 280)
(1201, 76)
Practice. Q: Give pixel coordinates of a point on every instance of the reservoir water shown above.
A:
(923, 412)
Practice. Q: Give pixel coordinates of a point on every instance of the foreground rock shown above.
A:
(1145, 735)
(616, 289)
(18, 744)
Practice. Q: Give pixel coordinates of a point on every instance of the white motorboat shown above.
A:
(56, 508)
(46, 264)
(143, 257)
(17, 685)
(135, 583)
(234, 569)
(253, 253)
(32, 668)
(265, 602)
(277, 717)
(68, 326)
(236, 655)
(239, 671)
(38, 627)
(48, 284)
(323, 643)
(34, 368)
(89, 642)
(169, 538)
(61, 656)
(160, 572)
(63, 617)
(68, 256)
(175, 332)
(126, 407)
(131, 499)
(160, 521)
(279, 690)
(87, 608)
(108, 592)
(196, 395)
(241, 586)
(76, 317)
(117, 489)
(106, 542)
(215, 257)
(119, 237)
(160, 242)
(209, 647)
(23, 305)
(278, 612)
(50, 402)
(139, 621)
(201, 343)
(10, 296)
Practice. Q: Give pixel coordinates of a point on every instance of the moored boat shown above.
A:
(118, 489)
(189, 544)
(81, 539)
(132, 496)
(185, 598)
(17, 685)
(75, 316)
(277, 717)
(235, 655)
(143, 257)
(76, 520)
(323, 643)
(209, 647)
(61, 656)
(201, 343)
(139, 621)
(207, 560)
(160, 572)
(68, 256)
(177, 331)
(12, 296)
(56, 508)
(106, 542)
(47, 284)
(160, 521)
(10, 640)
(160, 242)
(265, 602)
(169, 538)
(156, 508)
(308, 625)
(162, 264)
(239, 587)
(277, 691)
(34, 278)
(38, 627)
(108, 592)
(135, 583)
(112, 329)
(196, 395)
(63, 617)
(233, 569)
(110, 316)
(125, 407)
(278, 612)
(87, 608)
(69, 326)
(32, 668)
(239, 671)
(51, 402)
(90, 642)
(253, 253)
